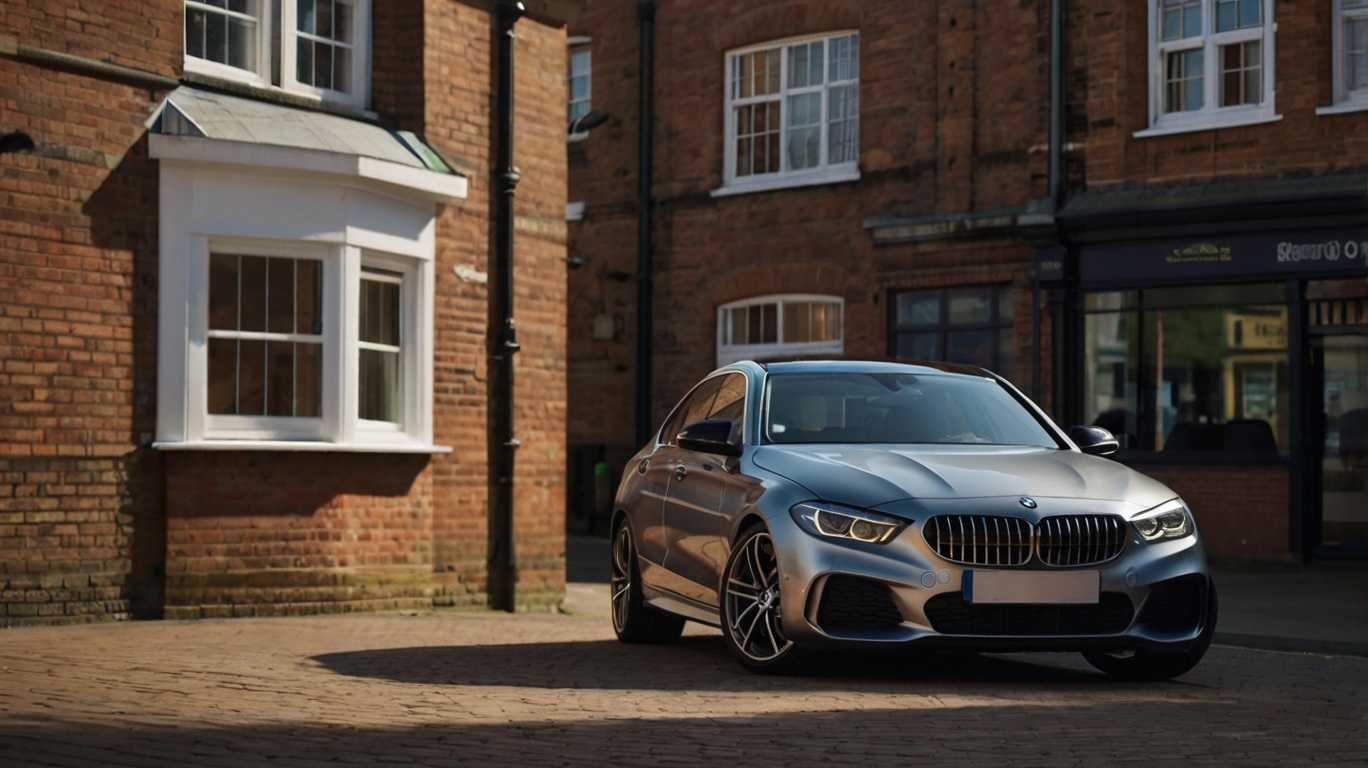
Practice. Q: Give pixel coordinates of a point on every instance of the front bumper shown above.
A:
(843, 593)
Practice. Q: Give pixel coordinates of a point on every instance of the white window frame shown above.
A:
(277, 23)
(1344, 99)
(228, 197)
(360, 64)
(728, 353)
(824, 172)
(1211, 115)
(259, 75)
(579, 45)
(261, 427)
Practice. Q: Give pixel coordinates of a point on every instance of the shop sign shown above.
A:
(1323, 253)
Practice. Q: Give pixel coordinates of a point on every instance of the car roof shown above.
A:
(873, 366)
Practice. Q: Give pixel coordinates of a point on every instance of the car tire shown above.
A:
(633, 620)
(752, 627)
(1153, 666)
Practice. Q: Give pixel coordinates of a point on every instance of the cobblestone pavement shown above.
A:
(532, 690)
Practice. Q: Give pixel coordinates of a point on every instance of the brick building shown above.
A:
(1149, 216)
(247, 268)
(880, 221)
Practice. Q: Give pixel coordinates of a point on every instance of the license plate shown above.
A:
(1031, 586)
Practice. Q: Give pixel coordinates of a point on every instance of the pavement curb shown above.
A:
(1291, 644)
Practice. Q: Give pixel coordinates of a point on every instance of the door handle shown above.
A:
(642, 466)
(680, 472)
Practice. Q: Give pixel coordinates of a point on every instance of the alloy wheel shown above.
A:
(752, 600)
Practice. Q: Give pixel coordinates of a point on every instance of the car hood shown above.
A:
(868, 476)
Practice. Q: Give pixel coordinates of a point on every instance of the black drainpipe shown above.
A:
(645, 24)
(503, 342)
(1056, 188)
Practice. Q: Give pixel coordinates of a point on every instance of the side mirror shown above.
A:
(1095, 441)
(719, 436)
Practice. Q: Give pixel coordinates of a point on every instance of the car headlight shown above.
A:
(1170, 520)
(838, 522)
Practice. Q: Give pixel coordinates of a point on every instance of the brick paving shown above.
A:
(544, 689)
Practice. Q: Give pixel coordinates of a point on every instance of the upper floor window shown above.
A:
(315, 47)
(792, 113)
(1351, 53)
(579, 83)
(778, 326)
(1211, 64)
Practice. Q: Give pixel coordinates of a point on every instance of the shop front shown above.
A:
(1230, 357)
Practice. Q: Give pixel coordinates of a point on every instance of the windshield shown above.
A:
(896, 408)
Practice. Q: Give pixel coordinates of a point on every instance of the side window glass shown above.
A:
(730, 402)
(695, 407)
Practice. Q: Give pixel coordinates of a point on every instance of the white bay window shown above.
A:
(296, 288)
(780, 326)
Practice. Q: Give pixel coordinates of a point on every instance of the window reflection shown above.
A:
(1181, 370)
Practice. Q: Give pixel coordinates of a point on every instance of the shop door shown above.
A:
(1342, 363)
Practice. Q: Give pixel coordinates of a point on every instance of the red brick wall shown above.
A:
(1240, 512)
(78, 235)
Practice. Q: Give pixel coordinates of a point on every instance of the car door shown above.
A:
(656, 469)
(703, 495)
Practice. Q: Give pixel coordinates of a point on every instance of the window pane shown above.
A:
(241, 44)
(308, 391)
(798, 66)
(342, 22)
(970, 348)
(1356, 53)
(341, 80)
(1225, 15)
(280, 292)
(1110, 394)
(919, 308)
(919, 346)
(216, 38)
(1180, 19)
(304, 60)
(323, 65)
(309, 296)
(1250, 13)
(1184, 82)
(252, 297)
(769, 324)
(323, 18)
(844, 58)
(195, 24)
(843, 132)
(223, 292)
(251, 377)
(280, 378)
(970, 307)
(379, 322)
(378, 383)
(1241, 67)
(223, 376)
(1006, 311)
(304, 15)
(797, 322)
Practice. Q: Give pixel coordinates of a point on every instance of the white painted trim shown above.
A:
(302, 445)
(771, 182)
(1344, 108)
(1205, 125)
(440, 187)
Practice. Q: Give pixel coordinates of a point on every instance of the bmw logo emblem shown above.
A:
(1027, 502)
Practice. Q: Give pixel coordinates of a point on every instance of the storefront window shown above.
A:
(1183, 370)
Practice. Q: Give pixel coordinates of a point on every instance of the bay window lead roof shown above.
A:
(192, 112)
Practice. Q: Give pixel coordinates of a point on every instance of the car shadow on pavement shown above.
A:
(692, 663)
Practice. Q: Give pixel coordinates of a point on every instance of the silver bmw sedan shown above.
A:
(816, 505)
